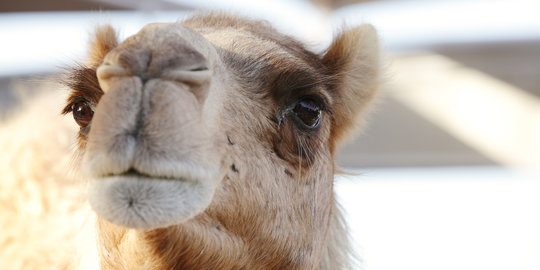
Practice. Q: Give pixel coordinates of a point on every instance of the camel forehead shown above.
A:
(164, 36)
(261, 45)
(252, 39)
(245, 43)
(237, 40)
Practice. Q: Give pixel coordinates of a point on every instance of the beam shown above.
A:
(497, 119)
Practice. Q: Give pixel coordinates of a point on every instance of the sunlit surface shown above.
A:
(49, 42)
(499, 120)
(45, 42)
(410, 24)
(444, 218)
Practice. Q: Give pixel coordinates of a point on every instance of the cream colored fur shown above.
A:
(44, 218)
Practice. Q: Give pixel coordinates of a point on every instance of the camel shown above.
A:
(209, 143)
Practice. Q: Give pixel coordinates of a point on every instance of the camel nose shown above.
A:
(156, 84)
(158, 51)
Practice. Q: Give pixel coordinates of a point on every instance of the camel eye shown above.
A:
(308, 111)
(82, 113)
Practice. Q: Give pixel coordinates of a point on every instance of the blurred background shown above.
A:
(448, 169)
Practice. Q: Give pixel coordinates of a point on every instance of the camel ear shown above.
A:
(353, 61)
(102, 42)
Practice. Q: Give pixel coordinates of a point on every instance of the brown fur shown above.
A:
(104, 40)
(41, 205)
(357, 77)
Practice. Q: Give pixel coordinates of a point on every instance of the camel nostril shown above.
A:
(196, 69)
(198, 75)
(109, 70)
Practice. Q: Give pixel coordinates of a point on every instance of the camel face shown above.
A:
(219, 133)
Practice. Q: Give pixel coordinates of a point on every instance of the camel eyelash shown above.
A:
(84, 87)
(305, 111)
(73, 101)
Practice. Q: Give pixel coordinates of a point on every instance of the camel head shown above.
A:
(224, 125)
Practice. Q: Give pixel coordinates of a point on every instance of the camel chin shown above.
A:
(147, 203)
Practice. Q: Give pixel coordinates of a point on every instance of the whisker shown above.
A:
(299, 156)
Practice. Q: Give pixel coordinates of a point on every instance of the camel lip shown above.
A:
(148, 203)
(134, 173)
(184, 171)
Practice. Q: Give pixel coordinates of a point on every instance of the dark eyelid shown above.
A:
(72, 102)
(320, 98)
